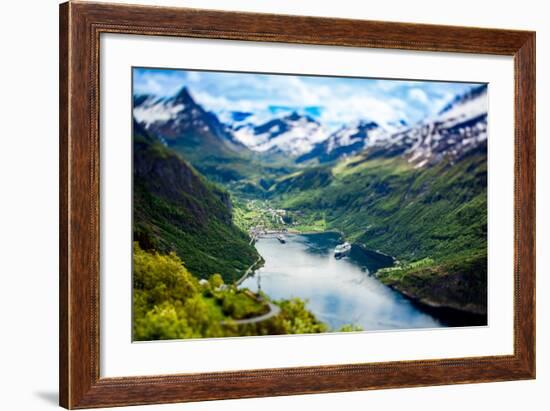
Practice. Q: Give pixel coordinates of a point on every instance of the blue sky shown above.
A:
(332, 100)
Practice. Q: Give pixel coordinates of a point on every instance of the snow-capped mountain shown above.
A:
(346, 141)
(457, 130)
(172, 119)
(475, 98)
(292, 135)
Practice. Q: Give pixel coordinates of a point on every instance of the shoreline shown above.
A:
(297, 232)
(250, 270)
(450, 316)
(368, 250)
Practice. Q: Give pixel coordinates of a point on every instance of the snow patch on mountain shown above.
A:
(350, 140)
(171, 119)
(457, 130)
(361, 132)
(293, 135)
(154, 109)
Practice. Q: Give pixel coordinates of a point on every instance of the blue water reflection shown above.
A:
(340, 291)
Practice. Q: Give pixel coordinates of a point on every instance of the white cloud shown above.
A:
(418, 95)
(342, 110)
(222, 103)
(158, 82)
(339, 104)
(194, 77)
(337, 100)
(302, 94)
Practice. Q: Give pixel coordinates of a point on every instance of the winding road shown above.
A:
(273, 311)
(247, 272)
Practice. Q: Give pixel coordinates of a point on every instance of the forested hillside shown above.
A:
(176, 209)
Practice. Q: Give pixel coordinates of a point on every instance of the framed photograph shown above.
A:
(259, 205)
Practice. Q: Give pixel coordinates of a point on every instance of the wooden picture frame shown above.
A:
(80, 27)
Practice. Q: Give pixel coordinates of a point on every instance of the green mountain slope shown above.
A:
(437, 213)
(175, 209)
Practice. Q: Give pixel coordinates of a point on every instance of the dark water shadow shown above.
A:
(369, 259)
(450, 317)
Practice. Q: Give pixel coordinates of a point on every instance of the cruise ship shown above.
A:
(342, 250)
(281, 238)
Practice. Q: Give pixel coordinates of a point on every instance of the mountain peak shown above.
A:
(368, 124)
(184, 97)
(471, 94)
(293, 134)
(295, 116)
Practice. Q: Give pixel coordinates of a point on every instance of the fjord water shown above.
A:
(338, 291)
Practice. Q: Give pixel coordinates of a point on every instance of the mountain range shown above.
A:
(292, 135)
(457, 130)
(460, 127)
